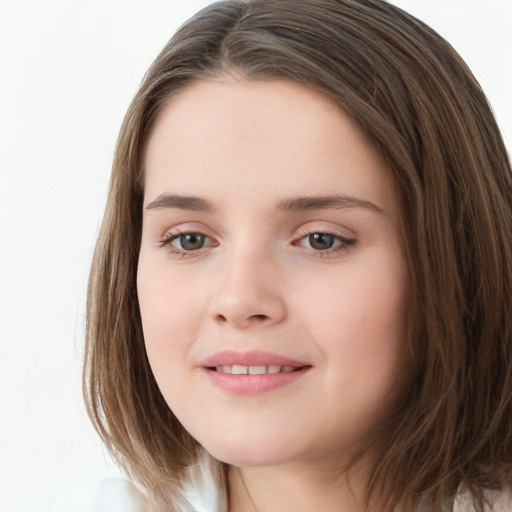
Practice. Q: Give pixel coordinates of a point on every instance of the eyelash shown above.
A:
(344, 244)
(167, 240)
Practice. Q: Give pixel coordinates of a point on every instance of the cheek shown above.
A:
(171, 315)
(359, 303)
(361, 324)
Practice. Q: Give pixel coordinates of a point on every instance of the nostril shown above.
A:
(248, 320)
(259, 317)
(245, 310)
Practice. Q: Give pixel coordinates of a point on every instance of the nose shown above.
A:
(249, 294)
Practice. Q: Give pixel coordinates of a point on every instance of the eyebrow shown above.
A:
(197, 204)
(189, 203)
(331, 201)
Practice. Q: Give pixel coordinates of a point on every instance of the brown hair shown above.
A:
(420, 105)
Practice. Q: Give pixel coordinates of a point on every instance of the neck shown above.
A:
(297, 487)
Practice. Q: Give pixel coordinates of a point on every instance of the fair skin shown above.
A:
(270, 242)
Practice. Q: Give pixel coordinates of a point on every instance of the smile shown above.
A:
(252, 372)
(238, 369)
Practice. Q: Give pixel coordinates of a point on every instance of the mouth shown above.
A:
(253, 372)
(252, 362)
(238, 369)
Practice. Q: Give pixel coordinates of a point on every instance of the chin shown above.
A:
(250, 454)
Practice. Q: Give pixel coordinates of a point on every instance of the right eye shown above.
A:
(187, 242)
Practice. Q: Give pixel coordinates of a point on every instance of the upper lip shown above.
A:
(249, 358)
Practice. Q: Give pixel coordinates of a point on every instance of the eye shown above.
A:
(187, 242)
(325, 242)
(320, 241)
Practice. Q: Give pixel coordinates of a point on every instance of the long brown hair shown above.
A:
(422, 108)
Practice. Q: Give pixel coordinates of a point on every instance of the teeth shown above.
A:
(238, 369)
(257, 370)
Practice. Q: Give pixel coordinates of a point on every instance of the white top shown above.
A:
(201, 492)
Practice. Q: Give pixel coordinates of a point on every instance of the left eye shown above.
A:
(322, 241)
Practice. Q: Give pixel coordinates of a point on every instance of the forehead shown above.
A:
(261, 138)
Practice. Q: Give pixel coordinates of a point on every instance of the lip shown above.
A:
(252, 384)
(249, 358)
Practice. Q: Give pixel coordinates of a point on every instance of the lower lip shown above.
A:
(254, 384)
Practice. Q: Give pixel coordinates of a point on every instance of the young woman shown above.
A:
(300, 297)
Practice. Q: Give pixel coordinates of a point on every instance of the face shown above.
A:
(271, 281)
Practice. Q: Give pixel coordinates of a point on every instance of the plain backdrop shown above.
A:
(68, 70)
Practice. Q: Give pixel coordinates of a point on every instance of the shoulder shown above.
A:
(106, 495)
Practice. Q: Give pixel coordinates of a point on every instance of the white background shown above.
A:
(68, 70)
